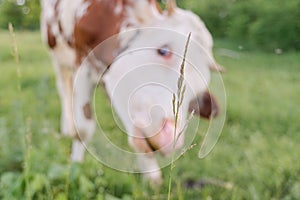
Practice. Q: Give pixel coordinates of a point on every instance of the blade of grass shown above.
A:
(27, 132)
(176, 103)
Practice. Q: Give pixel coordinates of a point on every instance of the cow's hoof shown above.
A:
(154, 178)
(156, 182)
(78, 149)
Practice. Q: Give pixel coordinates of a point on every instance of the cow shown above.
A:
(74, 30)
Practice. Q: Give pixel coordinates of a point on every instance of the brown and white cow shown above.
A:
(73, 28)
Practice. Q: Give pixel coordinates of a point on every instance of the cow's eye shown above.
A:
(164, 51)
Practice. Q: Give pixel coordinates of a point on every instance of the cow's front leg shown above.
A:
(149, 167)
(84, 122)
(146, 160)
(64, 85)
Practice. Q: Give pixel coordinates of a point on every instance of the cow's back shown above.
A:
(80, 25)
(102, 20)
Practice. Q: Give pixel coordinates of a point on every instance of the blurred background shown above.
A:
(263, 24)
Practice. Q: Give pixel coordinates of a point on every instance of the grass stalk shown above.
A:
(176, 103)
(27, 155)
(15, 52)
(27, 133)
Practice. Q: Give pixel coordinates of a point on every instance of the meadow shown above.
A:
(256, 157)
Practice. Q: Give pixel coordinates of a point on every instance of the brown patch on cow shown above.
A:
(204, 105)
(60, 27)
(98, 24)
(50, 37)
(94, 27)
(87, 111)
(70, 43)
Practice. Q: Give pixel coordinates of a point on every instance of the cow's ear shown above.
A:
(217, 68)
(204, 105)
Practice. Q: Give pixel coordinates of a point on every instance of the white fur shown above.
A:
(141, 13)
(68, 10)
(81, 11)
(84, 86)
(151, 170)
(118, 8)
(140, 79)
(46, 16)
(78, 149)
(65, 89)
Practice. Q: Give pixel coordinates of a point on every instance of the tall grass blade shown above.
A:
(177, 102)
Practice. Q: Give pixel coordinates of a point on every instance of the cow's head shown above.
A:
(143, 78)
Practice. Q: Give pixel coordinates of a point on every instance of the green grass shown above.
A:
(258, 151)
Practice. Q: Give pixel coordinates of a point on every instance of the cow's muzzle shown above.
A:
(166, 140)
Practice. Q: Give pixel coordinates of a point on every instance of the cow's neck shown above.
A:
(142, 11)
